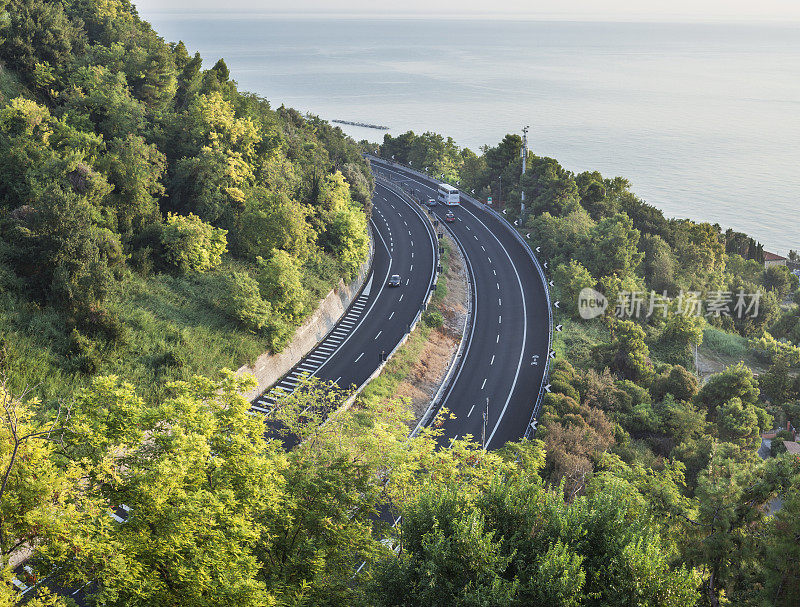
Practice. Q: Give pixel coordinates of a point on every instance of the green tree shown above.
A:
(346, 239)
(780, 280)
(195, 489)
(242, 301)
(738, 423)
(36, 494)
(783, 552)
(37, 32)
(631, 355)
(614, 247)
(659, 264)
(135, 169)
(192, 245)
(570, 280)
(273, 221)
(282, 285)
(681, 334)
(103, 97)
(733, 382)
(679, 382)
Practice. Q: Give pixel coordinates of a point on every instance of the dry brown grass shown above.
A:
(425, 377)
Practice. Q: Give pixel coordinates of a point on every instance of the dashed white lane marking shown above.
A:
(469, 228)
(412, 243)
(497, 341)
(379, 334)
(412, 254)
(483, 385)
(408, 280)
(409, 232)
(492, 361)
(470, 410)
(490, 259)
(499, 320)
(484, 248)
(476, 238)
(401, 298)
(498, 286)
(494, 272)
(390, 315)
(499, 301)
(411, 268)
(359, 357)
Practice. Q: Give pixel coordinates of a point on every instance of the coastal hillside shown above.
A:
(155, 221)
(159, 227)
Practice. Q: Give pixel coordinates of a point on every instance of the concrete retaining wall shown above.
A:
(269, 368)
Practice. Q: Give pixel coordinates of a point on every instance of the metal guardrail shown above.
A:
(530, 431)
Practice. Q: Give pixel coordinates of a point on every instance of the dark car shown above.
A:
(431, 202)
(449, 217)
(394, 280)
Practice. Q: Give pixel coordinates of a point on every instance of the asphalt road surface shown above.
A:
(381, 315)
(505, 356)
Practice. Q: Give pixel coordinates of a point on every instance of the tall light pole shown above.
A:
(500, 198)
(524, 164)
(485, 421)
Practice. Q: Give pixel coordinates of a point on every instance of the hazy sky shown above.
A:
(565, 9)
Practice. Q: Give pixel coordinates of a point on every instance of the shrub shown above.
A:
(679, 382)
(242, 301)
(776, 446)
(191, 244)
(433, 319)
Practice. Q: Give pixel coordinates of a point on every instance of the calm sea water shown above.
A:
(704, 120)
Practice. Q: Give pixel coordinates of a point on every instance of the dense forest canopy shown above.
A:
(621, 383)
(122, 158)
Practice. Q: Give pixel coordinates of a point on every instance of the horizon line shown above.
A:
(477, 15)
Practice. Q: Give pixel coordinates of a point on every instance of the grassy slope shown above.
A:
(172, 330)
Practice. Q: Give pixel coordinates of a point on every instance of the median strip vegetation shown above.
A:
(415, 372)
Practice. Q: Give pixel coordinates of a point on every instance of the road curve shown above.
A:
(380, 316)
(505, 358)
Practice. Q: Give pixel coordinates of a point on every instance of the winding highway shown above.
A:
(505, 359)
(496, 386)
(379, 318)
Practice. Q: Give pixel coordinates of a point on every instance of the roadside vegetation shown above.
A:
(623, 387)
(155, 221)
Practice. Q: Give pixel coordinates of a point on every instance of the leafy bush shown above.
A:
(433, 319)
(242, 301)
(191, 244)
(777, 447)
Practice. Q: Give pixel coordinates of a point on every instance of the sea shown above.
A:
(702, 118)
